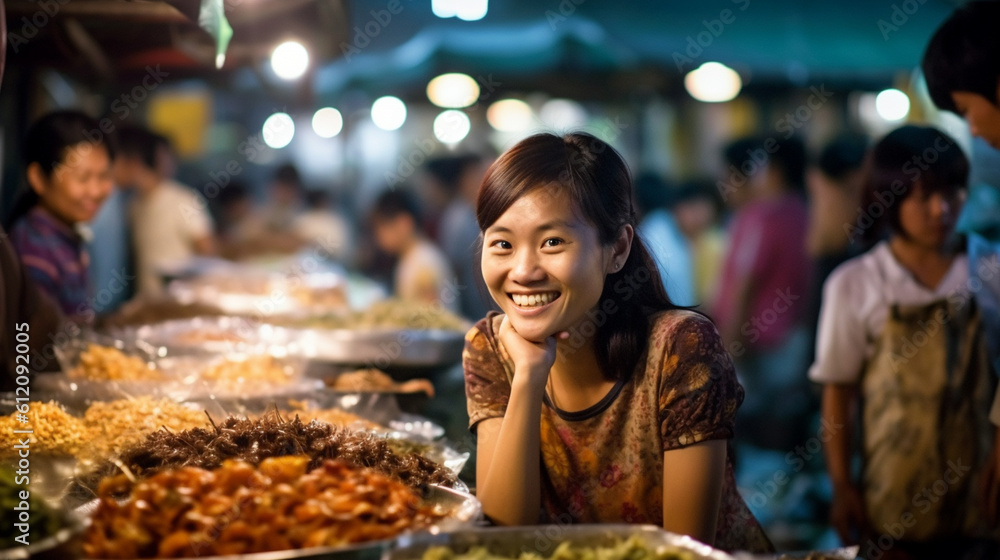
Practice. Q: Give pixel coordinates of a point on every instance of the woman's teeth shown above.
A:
(534, 300)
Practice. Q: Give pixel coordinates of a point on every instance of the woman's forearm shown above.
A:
(511, 491)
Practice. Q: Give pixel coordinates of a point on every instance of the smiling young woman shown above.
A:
(593, 397)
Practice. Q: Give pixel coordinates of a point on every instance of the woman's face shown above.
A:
(929, 218)
(544, 264)
(78, 185)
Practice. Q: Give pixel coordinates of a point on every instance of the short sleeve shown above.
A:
(840, 337)
(698, 390)
(487, 385)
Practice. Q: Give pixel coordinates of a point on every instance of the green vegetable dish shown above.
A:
(632, 549)
(42, 521)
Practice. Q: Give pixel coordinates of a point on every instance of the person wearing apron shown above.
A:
(902, 355)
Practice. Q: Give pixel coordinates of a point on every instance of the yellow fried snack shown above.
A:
(117, 424)
(255, 369)
(103, 363)
(55, 432)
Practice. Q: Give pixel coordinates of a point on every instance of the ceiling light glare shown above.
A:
(453, 91)
(509, 115)
(278, 131)
(451, 127)
(713, 82)
(892, 104)
(327, 122)
(388, 113)
(290, 60)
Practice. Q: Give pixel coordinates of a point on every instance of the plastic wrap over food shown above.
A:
(97, 367)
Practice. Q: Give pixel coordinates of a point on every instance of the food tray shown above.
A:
(418, 432)
(383, 348)
(466, 511)
(179, 374)
(543, 540)
(214, 335)
(253, 292)
(845, 553)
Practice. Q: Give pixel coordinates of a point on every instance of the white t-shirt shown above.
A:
(326, 230)
(856, 301)
(166, 222)
(423, 272)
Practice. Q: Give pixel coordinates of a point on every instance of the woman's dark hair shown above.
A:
(596, 177)
(47, 142)
(904, 158)
(964, 55)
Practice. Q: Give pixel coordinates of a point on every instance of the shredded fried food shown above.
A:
(55, 432)
(117, 424)
(254, 440)
(239, 509)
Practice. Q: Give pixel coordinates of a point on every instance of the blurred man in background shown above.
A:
(169, 221)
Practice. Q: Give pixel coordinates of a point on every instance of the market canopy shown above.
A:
(772, 40)
(400, 43)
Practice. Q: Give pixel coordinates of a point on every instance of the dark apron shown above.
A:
(926, 430)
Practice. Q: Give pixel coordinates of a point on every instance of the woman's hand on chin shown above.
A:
(531, 358)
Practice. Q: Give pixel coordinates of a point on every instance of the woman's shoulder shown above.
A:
(30, 233)
(483, 333)
(672, 330)
(679, 320)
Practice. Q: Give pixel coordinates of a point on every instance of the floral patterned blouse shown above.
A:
(605, 464)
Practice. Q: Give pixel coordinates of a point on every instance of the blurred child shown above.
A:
(900, 336)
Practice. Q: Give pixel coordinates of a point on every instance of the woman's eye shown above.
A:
(553, 242)
(500, 244)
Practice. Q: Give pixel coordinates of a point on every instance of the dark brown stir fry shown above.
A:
(253, 440)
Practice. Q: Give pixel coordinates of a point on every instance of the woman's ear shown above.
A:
(37, 179)
(621, 248)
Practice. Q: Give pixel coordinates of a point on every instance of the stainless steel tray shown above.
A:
(845, 553)
(543, 540)
(382, 348)
(60, 546)
(465, 511)
(214, 335)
